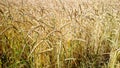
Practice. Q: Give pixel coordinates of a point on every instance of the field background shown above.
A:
(60, 34)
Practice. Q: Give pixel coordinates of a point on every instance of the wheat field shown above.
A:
(60, 34)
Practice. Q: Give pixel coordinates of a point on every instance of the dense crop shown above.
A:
(60, 34)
